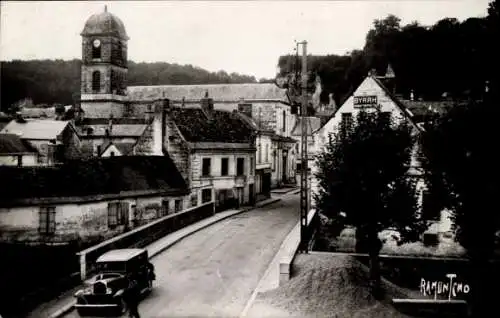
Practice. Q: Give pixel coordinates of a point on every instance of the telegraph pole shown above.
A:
(304, 193)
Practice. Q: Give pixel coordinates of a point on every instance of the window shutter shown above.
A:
(112, 214)
(51, 219)
(42, 221)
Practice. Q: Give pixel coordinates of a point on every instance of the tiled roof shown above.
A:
(115, 121)
(313, 124)
(219, 92)
(39, 112)
(117, 130)
(80, 179)
(283, 139)
(12, 144)
(422, 108)
(125, 148)
(223, 126)
(123, 127)
(41, 129)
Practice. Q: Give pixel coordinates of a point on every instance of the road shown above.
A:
(214, 271)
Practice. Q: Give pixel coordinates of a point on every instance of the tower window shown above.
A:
(96, 81)
(96, 52)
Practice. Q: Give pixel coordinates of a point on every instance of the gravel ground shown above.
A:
(323, 286)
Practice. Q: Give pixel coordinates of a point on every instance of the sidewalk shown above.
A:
(64, 304)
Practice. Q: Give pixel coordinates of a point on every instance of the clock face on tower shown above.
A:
(97, 43)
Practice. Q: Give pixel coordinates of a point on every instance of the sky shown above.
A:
(246, 37)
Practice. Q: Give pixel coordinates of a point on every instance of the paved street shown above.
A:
(214, 271)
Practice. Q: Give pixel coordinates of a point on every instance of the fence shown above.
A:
(143, 235)
(310, 230)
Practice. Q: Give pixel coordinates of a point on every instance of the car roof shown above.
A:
(120, 255)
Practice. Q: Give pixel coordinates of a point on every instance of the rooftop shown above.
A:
(11, 144)
(313, 124)
(80, 180)
(120, 255)
(218, 92)
(39, 129)
(224, 126)
(104, 23)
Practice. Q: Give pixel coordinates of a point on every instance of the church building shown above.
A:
(214, 149)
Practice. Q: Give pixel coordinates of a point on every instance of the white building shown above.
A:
(372, 94)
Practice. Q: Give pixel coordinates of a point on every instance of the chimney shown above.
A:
(207, 105)
(165, 107)
(331, 102)
(110, 124)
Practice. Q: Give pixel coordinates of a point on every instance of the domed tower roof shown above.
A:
(104, 23)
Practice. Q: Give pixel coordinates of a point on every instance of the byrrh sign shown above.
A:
(365, 101)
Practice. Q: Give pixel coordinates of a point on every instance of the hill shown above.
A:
(56, 81)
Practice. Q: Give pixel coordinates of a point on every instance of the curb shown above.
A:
(274, 262)
(70, 306)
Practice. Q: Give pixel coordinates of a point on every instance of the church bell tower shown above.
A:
(104, 66)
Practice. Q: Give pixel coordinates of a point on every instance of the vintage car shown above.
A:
(104, 293)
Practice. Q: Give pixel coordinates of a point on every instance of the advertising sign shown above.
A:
(365, 101)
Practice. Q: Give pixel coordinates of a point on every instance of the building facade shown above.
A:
(215, 152)
(17, 152)
(92, 200)
(55, 140)
(372, 94)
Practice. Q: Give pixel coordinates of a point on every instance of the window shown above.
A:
(194, 199)
(284, 120)
(251, 166)
(206, 167)
(112, 153)
(47, 220)
(385, 118)
(96, 50)
(164, 207)
(430, 211)
(117, 213)
(224, 164)
(240, 166)
(346, 124)
(178, 205)
(96, 82)
(259, 151)
(267, 153)
(206, 195)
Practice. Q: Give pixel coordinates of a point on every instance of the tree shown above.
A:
(362, 174)
(461, 169)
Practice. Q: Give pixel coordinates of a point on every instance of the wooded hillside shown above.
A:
(55, 81)
(456, 57)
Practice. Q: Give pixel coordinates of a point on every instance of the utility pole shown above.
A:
(304, 193)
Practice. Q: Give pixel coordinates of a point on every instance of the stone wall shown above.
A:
(81, 223)
(178, 150)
